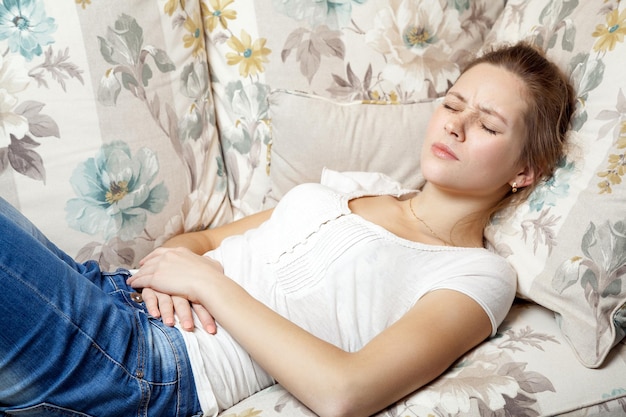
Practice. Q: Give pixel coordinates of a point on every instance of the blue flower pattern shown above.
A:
(555, 188)
(115, 192)
(332, 13)
(25, 24)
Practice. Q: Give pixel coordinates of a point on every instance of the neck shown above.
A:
(455, 219)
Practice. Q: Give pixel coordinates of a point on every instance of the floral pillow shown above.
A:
(107, 135)
(568, 242)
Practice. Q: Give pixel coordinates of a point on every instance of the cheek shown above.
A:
(501, 152)
(496, 162)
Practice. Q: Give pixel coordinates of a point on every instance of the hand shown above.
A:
(177, 276)
(164, 305)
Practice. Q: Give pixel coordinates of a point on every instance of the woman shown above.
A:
(350, 299)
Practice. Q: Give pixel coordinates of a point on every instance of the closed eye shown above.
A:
(486, 129)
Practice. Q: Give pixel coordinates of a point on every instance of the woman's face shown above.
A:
(475, 137)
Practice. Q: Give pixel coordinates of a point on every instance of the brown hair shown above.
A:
(551, 103)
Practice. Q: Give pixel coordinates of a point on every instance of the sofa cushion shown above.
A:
(568, 241)
(309, 133)
(108, 137)
(401, 50)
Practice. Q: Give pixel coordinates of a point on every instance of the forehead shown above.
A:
(490, 88)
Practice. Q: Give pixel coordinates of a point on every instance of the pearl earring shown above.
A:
(514, 187)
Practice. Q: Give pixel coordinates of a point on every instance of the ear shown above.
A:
(524, 178)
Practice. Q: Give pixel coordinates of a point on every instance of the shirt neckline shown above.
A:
(345, 199)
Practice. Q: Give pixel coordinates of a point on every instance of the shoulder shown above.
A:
(475, 261)
(485, 277)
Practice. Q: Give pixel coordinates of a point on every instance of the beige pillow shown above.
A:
(309, 133)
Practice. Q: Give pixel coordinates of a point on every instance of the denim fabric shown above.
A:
(75, 341)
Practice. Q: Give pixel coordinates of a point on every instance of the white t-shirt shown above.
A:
(337, 275)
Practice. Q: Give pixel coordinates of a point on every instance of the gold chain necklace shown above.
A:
(432, 232)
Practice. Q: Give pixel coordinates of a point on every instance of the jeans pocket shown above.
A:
(45, 410)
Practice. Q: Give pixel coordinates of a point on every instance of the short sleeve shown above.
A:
(492, 283)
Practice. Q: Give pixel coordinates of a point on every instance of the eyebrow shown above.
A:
(482, 109)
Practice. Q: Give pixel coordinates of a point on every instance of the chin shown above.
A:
(436, 172)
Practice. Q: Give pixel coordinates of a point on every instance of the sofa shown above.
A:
(123, 123)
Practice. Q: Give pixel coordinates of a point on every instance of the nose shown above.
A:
(455, 127)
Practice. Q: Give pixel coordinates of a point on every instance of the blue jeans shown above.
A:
(75, 341)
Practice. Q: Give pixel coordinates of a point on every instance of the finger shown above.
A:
(207, 320)
(151, 301)
(183, 311)
(137, 276)
(141, 277)
(166, 306)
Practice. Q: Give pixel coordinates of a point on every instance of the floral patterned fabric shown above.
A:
(107, 130)
(390, 51)
(123, 123)
(568, 241)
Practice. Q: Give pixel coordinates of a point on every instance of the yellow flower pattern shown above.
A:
(217, 14)
(250, 412)
(248, 55)
(172, 5)
(195, 38)
(617, 165)
(611, 33)
(83, 3)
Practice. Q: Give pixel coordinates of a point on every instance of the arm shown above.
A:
(164, 305)
(205, 240)
(441, 327)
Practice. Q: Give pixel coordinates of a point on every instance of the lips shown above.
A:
(444, 152)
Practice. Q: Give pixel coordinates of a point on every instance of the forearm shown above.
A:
(319, 374)
(209, 239)
(333, 382)
(197, 242)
